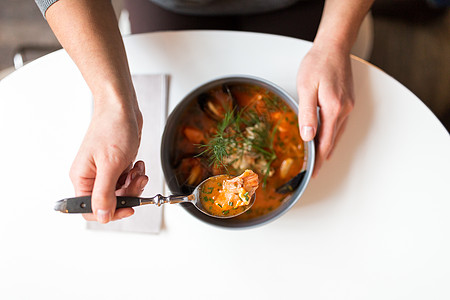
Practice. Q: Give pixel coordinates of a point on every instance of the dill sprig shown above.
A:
(262, 143)
(217, 147)
(230, 139)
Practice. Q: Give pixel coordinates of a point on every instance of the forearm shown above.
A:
(89, 32)
(340, 23)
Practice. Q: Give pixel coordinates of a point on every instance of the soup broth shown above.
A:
(224, 195)
(236, 127)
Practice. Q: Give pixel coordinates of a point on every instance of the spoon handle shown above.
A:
(172, 199)
(83, 204)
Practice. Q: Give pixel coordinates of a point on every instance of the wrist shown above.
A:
(340, 22)
(120, 102)
(113, 96)
(331, 43)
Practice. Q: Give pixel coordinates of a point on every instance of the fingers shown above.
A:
(140, 165)
(307, 111)
(333, 118)
(82, 176)
(103, 194)
(137, 170)
(135, 188)
(123, 177)
(119, 214)
(324, 80)
(135, 182)
(325, 139)
(340, 130)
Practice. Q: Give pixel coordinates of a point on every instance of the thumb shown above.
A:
(307, 112)
(103, 193)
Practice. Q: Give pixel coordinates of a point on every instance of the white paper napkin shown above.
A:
(151, 92)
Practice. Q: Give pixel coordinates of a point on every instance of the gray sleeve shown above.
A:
(44, 5)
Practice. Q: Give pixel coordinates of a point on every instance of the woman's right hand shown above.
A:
(103, 165)
(89, 32)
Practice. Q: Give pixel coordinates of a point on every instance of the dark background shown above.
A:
(411, 43)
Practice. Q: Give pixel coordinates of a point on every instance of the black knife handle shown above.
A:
(83, 204)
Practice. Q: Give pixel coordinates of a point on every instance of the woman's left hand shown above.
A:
(324, 80)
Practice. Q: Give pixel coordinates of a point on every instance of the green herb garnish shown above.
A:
(210, 190)
(206, 199)
(246, 196)
(244, 132)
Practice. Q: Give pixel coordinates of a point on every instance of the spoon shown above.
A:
(83, 204)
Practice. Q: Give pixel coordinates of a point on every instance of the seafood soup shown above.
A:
(235, 127)
(224, 195)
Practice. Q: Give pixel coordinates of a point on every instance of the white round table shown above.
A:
(374, 225)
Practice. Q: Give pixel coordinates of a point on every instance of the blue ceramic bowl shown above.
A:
(168, 144)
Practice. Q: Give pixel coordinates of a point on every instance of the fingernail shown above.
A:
(307, 133)
(141, 166)
(103, 216)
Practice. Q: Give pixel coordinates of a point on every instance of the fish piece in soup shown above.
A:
(240, 189)
(225, 195)
(229, 129)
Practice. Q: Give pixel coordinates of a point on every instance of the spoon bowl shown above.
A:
(83, 204)
(199, 193)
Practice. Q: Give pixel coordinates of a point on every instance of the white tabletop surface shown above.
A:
(374, 225)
